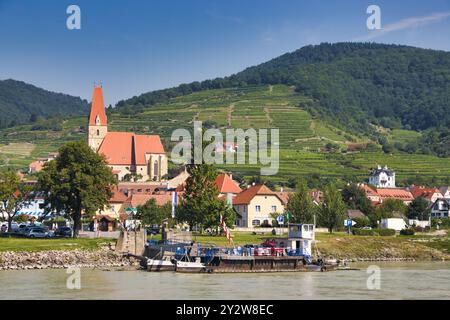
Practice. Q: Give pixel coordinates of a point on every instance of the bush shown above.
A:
(444, 223)
(385, 232)
(363, 232)
(362, 222)
(407, 232)
(374, 232)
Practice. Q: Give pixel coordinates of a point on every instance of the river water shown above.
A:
(396, 281)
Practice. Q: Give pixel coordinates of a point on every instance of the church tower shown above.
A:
(98, 123)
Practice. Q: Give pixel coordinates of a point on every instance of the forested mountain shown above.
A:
(359, 86)
(23, 103)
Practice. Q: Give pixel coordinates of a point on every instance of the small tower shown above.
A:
(98, 123)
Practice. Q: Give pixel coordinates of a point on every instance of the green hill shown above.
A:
(341, 110)
(23, 103)
(304, 143)
(356, 86)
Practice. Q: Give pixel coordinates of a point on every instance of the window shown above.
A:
(98, 132)
(258, 208)
(274, 208)
(256, 222)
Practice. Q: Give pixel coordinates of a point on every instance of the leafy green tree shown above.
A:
(332, 210)
(13, 195)
(301, 205)
(200, 204)
(151, 213)
(77, 182)
(418, 209)
(355, 198)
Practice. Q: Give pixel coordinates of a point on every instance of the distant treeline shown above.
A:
(22, 103)
(358, 85)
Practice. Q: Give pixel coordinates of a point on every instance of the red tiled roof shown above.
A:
(146, 144)
(284, 196)
(226, 184)
(426, 193)
(117, 148)
(140, 199)
(248, 194)
(118, 197)
(98, 108)
(395, 194)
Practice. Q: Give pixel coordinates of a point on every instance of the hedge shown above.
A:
(374, 232)
(407, 232)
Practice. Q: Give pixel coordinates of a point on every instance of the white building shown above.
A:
(382, 177)
(397, 222)
(440, 208)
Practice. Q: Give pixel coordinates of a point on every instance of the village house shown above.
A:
(128, 154)
(382, 177)
(226, 185)
(378, 195)
(37, 165)
(440, 208)
(256, 205)
(430, 194)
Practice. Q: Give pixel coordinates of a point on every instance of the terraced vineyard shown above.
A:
(302, 139)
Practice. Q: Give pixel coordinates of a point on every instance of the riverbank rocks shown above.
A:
(58, 259)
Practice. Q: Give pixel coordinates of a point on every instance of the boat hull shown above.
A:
(189, 267)
(160, 265)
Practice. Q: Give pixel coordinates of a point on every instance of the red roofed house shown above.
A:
(431, 194)
(226, 184)
(378, 195)
(256, 205)
(125, 152)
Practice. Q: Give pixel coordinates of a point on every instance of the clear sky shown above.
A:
(137, 46)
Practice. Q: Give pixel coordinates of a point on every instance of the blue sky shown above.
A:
(143, 45)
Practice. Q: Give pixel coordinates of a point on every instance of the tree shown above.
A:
(332, 209)
(355, 198)
(200, 204)
(14, 195)
(300, 204)
(77, 182)
(150, 213)
(418, 209)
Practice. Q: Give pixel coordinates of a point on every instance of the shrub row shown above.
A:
(374, 232)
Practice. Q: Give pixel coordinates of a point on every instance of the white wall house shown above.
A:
(440, 208)
(382, 177)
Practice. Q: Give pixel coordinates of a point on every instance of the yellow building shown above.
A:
(256, 205)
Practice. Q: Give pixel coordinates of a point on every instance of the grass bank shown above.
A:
(343, 246)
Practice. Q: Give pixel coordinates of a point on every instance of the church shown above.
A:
(128, 154)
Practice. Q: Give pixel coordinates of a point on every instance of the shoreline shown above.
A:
(61, 259)
(108, 260)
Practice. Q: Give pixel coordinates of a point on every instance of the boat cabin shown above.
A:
(301, 231)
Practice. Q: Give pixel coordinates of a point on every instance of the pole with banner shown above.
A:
(174, 203)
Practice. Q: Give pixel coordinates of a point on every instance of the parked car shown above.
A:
(366, 228)
(22, 227)
(37, 232)
(14, 227)
(63, 232)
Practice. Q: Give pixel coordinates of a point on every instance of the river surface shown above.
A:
(429, 280)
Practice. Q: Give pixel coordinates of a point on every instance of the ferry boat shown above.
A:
(292, 254)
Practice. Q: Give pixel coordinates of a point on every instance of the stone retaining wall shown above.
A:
(58, 259)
